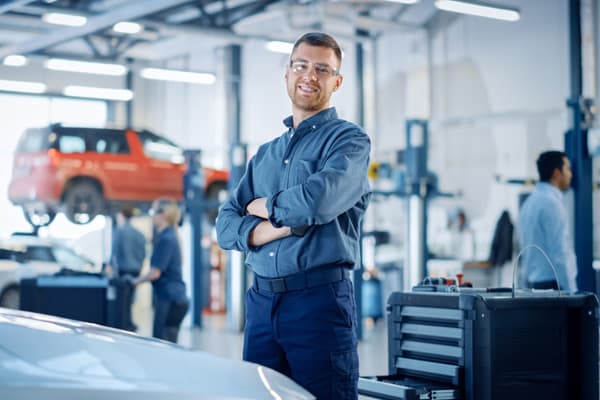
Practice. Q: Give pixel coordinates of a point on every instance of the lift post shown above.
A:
(193, 188)
(417, 188)
(577, 151)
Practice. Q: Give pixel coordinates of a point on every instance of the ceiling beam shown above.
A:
(128, 12)
(11, 5)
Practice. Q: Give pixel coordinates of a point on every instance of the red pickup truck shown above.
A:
(89, 171)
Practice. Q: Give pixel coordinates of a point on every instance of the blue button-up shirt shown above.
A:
(313, 176)
(543, 222)
(128, 249)
(166, 256)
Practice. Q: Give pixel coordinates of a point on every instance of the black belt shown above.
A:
(301, 280)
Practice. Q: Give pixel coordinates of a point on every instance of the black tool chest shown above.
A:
(475, 345)
(89, 298)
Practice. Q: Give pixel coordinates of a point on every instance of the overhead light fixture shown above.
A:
(84, 67)
(404, 1)
(64, 19)
(22, 86)
(98, 93)
(127, 27)
(178, 76)
(280, 47)
(15, 60)
(479, 9)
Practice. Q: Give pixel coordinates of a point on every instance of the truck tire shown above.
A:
(82, 202)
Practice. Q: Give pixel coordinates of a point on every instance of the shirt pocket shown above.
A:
(304, 169)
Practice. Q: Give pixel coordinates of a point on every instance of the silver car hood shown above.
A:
(55, 358)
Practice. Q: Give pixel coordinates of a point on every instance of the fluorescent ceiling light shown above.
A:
(59, 64)
(127, 27)
(64, 19)
(98, 93)
(15, 60)
(404, 1)
(178, 76)
(487, 10)
(22, 86)
(280, 47)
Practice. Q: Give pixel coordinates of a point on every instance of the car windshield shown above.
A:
(33, 140)
(161, 148)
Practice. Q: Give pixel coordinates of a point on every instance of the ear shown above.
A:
(338, 82)
(556, 174)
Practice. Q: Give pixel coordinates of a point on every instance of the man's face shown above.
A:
(311, 86)
(565, 175)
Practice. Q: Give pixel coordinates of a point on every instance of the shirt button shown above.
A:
(286, 161)
(271, 254)
(314, 127)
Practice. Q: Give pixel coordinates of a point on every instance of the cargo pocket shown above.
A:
(345, 374)
(344, 301)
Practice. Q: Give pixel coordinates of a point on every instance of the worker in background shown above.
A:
(543, 222)
(296, 212)
(128, 253)
(170, 299)
(462, 238)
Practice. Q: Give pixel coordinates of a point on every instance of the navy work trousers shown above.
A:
(167, 318)
(308, 335)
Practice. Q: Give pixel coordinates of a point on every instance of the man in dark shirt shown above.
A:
(296, 213)
(128, 252)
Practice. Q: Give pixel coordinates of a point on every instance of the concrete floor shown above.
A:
(215, 338)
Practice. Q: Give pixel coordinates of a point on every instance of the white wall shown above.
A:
(498, 92)
(183, 112)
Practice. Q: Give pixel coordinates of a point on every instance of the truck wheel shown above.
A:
(82, 202)
(37, 218)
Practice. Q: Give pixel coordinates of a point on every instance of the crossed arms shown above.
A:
(264, 232)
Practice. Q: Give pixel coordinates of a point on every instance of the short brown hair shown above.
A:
(127, 212)
(320, 39)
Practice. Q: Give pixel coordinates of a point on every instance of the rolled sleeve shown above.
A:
(233, 225)
(271, 201)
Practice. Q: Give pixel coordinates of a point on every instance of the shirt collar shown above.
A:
(315, 121)
(550, 188)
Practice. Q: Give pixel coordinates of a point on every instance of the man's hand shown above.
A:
(265, 233)
(258, 208)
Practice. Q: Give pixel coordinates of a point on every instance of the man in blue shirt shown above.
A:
(296, 213)
(128, 252)
(543, 222)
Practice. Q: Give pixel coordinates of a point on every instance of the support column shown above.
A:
(577, 151)
(418, 187)
(236, 273)
(193, 191)
(360, 120)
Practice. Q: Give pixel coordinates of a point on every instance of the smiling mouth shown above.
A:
(307, 89)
